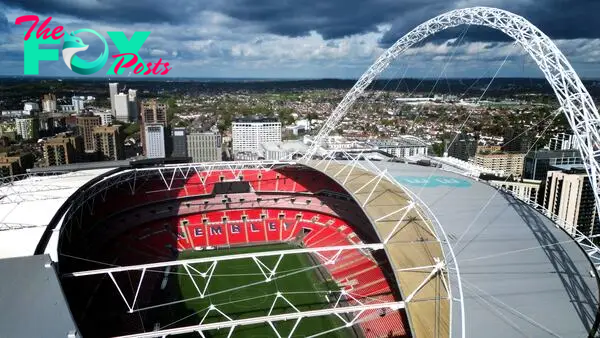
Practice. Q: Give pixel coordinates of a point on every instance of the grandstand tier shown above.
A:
(160, 218)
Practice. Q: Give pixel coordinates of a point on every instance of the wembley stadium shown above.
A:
(320, 247)
(312, 245)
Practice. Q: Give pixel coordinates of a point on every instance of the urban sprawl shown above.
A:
(520, 144)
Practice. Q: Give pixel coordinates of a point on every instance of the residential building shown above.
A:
(152, 112)
(403, 146)
(179, 139)
(562, 141)
(249, 133)
(526, 190)
(108, 141)
(12, 113)
(569, 197)
(85, 127)
(66, 108)
(28, 128)
(517, 140)
(113, 90)
(488, 149)
(122, 107)
(281, 150)
(134, 110)
(78, 103)
(507, 163)
(132, 93)
(204, 147)
(29, 107)
(46, 125)
(15, 163)
(63, 149)
(154, 143)
(538, 163)
(462, 146)
(106, 118)
(49, 103)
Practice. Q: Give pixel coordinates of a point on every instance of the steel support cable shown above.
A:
(461, 38)
(576, 102)
(457, 242)
(466, 119)
(514, 311)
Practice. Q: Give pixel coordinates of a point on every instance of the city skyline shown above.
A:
(261, 40)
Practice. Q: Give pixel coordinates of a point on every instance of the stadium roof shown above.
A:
(32, 299)
(521, 274)
(83, 166)
(410, 243)
(28, 205)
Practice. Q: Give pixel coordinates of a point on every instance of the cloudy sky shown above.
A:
(306, 38)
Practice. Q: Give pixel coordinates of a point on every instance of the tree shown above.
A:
(438, 148)
(172, 109)
(312, 116)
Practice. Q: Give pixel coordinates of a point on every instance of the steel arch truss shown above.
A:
(575, 101)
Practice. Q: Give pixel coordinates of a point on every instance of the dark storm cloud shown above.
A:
(4, 25)
(112, 11)
(560, 19)
(331, 19)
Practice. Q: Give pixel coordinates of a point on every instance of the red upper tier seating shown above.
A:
(169, 187)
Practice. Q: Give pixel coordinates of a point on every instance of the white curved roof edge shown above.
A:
(28, 206)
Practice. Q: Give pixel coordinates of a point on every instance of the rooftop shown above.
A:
(34, 297)
(547, 154)
(255, 119)
(402, 141)
(569, 167)
(285, 146)
(522, 276)
(27, 206)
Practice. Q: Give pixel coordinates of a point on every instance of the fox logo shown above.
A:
(128, 56)
(73, 45)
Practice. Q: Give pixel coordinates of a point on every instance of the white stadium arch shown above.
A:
(575, 101)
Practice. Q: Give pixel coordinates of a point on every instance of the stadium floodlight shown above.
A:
(574, 99)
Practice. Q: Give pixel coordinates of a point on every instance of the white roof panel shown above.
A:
(28, 205)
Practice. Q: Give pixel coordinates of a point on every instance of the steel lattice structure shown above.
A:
(134, 180)
(574, 99)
